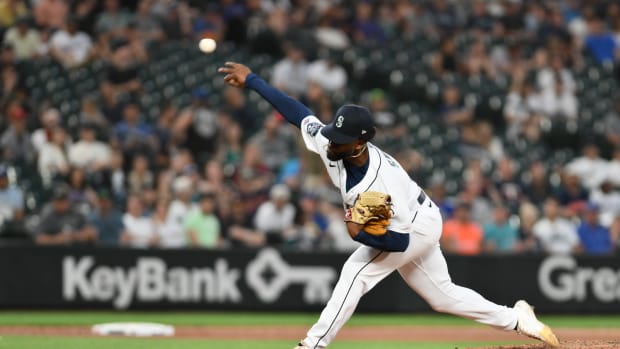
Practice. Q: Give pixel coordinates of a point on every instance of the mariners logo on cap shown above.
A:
(339, 121)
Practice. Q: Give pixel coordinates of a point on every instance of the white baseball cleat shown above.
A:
(528, 324)
(301, 345)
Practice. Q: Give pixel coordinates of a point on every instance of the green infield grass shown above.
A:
(134, 343)
(75, 318)
(84, 318)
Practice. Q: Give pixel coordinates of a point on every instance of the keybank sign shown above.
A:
(561, 279)
(152, 280)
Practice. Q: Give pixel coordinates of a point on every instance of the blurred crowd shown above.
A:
(223, 175)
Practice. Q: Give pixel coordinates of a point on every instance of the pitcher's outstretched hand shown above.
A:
(236, 73)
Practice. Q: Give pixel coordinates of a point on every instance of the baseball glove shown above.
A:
(373, 210)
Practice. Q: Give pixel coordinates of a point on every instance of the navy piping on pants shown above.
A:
(345, 298)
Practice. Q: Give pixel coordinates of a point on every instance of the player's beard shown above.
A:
(337, 156)
(334, 156)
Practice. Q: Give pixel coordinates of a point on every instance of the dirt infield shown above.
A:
(571, 338)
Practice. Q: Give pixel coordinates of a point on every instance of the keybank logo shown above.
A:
(152, 280)
(561, 279)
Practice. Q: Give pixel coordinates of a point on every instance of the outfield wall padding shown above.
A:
(268, 279)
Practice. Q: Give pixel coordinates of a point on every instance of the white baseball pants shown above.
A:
(422, 266)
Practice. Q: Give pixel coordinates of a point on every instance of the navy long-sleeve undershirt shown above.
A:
(294, 112)
(291, 109)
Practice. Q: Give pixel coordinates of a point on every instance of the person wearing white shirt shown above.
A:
(89, 153)
(50, 119)
(139, 229)
(330, 76)
(178, 210)
(613, 168)
(52, 160)
(590, 167)
(70, 46)
(556, 235)
(608, 201)
(291, 73)
(275, 216)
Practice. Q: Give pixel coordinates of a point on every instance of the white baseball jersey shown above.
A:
(384, 175)
(421, 264)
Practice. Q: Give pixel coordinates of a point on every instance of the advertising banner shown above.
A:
(270, 279)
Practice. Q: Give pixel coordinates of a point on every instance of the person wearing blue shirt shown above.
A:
(594, 238)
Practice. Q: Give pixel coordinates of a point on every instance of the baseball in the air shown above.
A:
(207, 45)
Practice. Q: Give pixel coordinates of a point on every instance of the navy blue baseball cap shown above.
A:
(352, 122)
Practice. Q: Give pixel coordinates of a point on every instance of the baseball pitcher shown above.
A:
(397, 224)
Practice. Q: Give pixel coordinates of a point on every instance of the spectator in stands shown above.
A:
(24, 39)
(327, 73)
(91, 114)
(121, 79)
(231, 148)
(594, 238)
(139, 229)
(164, 132)
(607, 199)
(460, 234)
(133, 134)
(72, 48)
(10, 11)
(149, 27)
(180, 207)
(116, 178)
(88, 152)
(452, 110)
(600, 42)
(81, 194)
(557, 90)
(613, 168)
(140, 177)
(53, 160)
(521, 110)
(445, 60)
(11, 201)
(556, 234)
(239, 228)
(107, 219)
(50, 14)
(310, 228)
(614, 232)
(61, 224)
(15, 141)
(538, 187)
(169, 234)
(240, 111)
(275, 216)
(198, 122)
(10, 83)
(477, 61)
(113, 20)
(507, 189)
(590, 167)
(571, 193)
(500, 236)
(475, 193)
(366, 27)
(252, 178)
(291, 73)
(527, 241)
(202, 225)
(612, 124)
(275, 142)
(50, 119)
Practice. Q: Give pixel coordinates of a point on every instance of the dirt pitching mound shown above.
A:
(572, 344)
